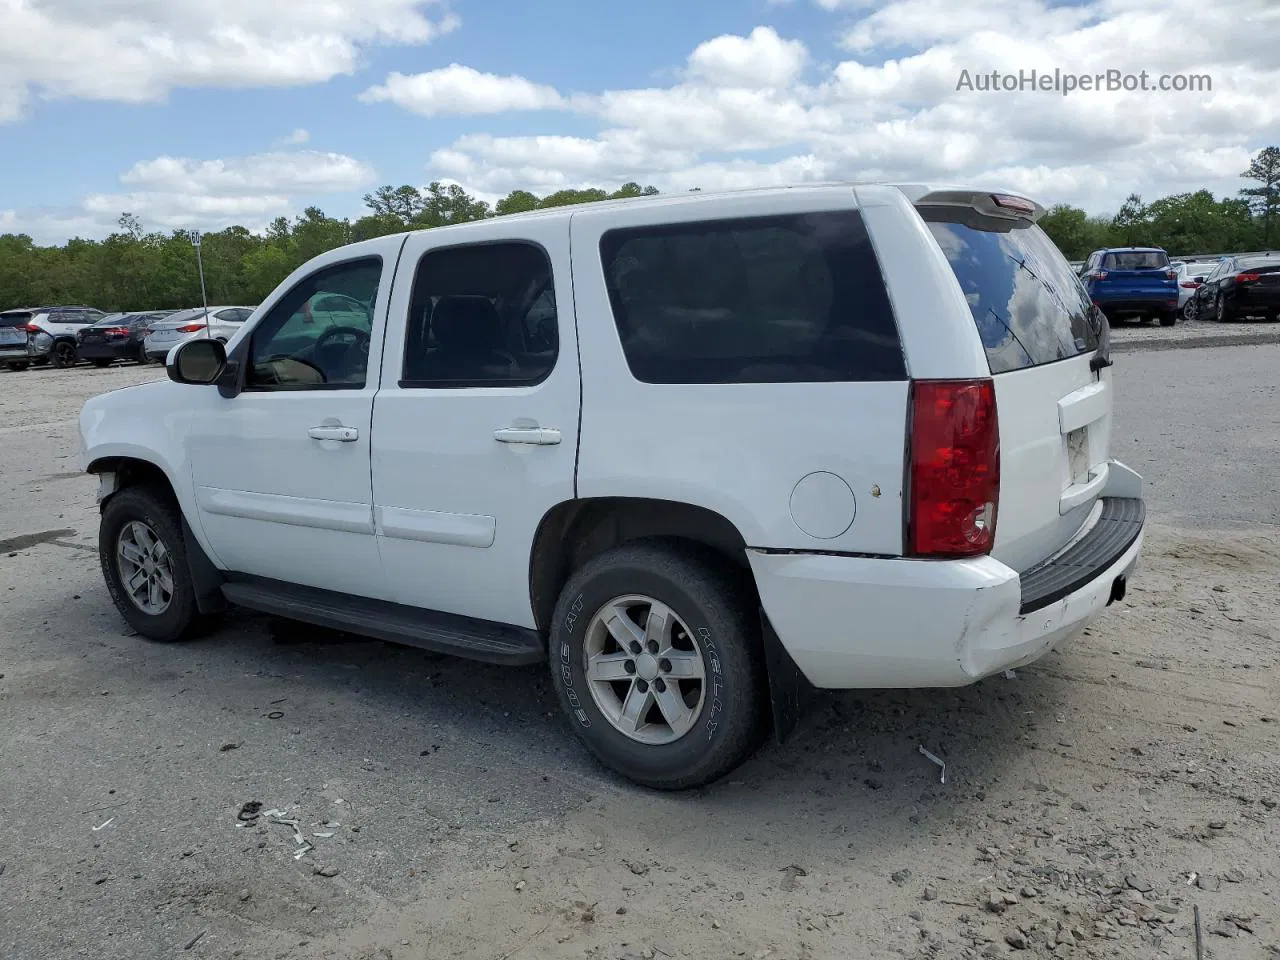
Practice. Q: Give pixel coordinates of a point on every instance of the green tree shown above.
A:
(1130, 222)
(1264, 200)
(517, 201)
(1076, 234)
(443, 204)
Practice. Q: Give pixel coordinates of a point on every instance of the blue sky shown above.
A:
(713, 93)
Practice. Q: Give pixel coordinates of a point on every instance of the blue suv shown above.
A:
(1128, 282)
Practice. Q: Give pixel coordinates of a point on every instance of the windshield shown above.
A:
(1260, 262)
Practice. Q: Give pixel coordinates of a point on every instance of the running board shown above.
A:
(449, 633)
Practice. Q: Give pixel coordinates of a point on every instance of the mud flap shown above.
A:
(205, 577)
(790, 693)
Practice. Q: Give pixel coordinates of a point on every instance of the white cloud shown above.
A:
(456, 89)
(762, 59)
(756, 109)
(295, 139)
(139, 50)
(170, 193)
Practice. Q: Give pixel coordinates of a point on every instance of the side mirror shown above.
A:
(198, 362)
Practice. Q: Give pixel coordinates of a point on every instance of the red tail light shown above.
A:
(115, 331)
(1248, 277)
(1190, 284)
(1098, 275)
(954, 468)
(191, 328)
(1171, 274)
(32, 328)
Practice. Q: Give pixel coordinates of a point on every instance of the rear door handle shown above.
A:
(539, 436)
(341, 434)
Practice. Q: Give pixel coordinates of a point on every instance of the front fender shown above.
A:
(149, 423)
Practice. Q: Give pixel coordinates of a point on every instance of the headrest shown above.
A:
(468, 324)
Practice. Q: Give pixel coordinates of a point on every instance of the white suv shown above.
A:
(695, 452)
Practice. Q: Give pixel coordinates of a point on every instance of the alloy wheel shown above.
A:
(645, 670)
(146, 568)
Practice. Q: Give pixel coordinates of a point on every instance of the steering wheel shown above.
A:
(329, 339)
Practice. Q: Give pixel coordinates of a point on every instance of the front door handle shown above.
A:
(328, 432)
(540, 436)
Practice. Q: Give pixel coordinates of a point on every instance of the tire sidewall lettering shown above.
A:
(714, 706)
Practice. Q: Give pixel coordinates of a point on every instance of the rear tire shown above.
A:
(1222, 312)
(64, 354)
(18, 366)
(144, 563)
(142, 357)
(676, 721)
(1168, 319)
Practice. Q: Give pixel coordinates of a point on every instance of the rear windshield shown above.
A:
(1030, 308)
(786, 299)
(1136, 260)
(1260, 263)
(15, 318)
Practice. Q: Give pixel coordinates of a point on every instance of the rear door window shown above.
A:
(1136, 260)
(786, 299)
(1028, 305)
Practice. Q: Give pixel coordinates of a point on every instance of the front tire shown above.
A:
(656, 656)
(101, 363)
(1189, 311)
(144, 563)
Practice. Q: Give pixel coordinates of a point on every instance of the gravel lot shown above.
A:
(1090, 804)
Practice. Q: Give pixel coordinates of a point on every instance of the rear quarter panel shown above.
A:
(736, 449)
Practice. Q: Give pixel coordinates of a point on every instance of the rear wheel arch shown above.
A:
(573, 532)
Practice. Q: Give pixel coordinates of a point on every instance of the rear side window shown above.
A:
(1029, 307)
(1136, 260)
(482, 315)
(788, 299)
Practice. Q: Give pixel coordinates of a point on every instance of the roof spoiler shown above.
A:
(1001, 204)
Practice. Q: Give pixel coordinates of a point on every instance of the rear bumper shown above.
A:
(107, 351)
(864, 623)
(14, 351)
(1153, 304)
(1256, 298)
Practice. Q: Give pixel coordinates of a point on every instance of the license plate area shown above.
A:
(1078, 456)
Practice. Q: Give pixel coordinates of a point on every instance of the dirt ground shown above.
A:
(1091, 803)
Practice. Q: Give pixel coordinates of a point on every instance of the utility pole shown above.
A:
(204, 297)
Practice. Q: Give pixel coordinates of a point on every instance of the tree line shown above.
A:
(137, 269)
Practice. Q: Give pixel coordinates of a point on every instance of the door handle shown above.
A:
(539, 436)
(341, 434)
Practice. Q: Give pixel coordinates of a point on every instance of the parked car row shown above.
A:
(65, 335)
(1143, 283)
(1237, 287)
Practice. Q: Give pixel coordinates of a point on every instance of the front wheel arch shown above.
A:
(127, 472)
